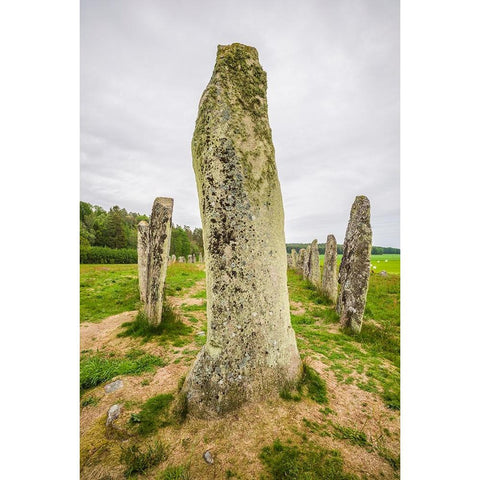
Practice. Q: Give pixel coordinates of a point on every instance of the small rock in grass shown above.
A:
(113, 413)
(201, 334)
(207, 456)
(112, 387)
(383, 273)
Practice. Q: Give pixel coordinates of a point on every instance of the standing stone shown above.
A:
(143, 240)
(306, 263)
(289, 260)
(200, 258)
(355, 266)
(189, 259)
(313, 261)
(181, 259)
(250, 351)
(174, 258)
(294, 256)
(329, 275)
(160, 231)
(301, 260)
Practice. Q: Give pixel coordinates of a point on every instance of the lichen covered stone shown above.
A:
(143, 240)
(354, 272)
(160, 230)
(329, 274)
(251, 350)
(313, 264)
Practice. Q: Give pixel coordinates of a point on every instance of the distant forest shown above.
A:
(321, 248)
(117, 229)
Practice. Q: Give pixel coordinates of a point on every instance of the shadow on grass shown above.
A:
(171, 328)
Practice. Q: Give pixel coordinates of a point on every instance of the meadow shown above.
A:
(388, 262)
(341, 422)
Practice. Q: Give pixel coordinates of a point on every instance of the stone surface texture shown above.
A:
(143, 240)
(113, 413)
(313, 261)
(160, 230)
(251, 350)
(329, 274)
(306, 263)
(301, 259)
(354, 271)
(294, 258)
(113, 386)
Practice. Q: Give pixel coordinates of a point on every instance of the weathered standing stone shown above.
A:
(306, 263)
(289, 260)
(143, 240)
(200, 258)
(329, 274)
(251, 350)
(301, 260)
(355, 266)
(181, 259)
(159, 231)
(189, 259)
(174, 258)
(294, 256)
(313, 261)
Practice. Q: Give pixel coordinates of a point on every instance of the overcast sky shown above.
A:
(333, 72)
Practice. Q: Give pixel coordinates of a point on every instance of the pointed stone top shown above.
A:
(361, 209)
(362, 199)
(237, 47)
(143, 223)
(331, 236)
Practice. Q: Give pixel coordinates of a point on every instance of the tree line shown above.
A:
(103, 234)
(117, 229)
(321, 248)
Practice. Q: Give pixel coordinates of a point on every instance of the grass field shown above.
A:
(343, 423)
(389, 262)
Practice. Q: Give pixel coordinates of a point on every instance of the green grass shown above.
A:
(181, 276)
(308, 462)
(389, 262)
(98, 368)
(154, 414)
(316, 387)
(90, 401)
(180, 472)
(107, 290)
(140, 461)
(171, 329)
(375, 351)
(354, 436)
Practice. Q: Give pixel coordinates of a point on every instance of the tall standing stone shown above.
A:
(160, 230)
(200, 258)
(306, 263)
(313, 261)
(189, 259)
(294, 255)
(329, 274)
(251, 351)
(143, 240)
(355, 266)
(301, 260)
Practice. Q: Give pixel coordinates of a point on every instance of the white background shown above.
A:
(39, 117)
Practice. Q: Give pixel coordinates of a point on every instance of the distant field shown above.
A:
(388, 262)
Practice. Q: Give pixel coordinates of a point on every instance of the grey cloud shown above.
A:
(333, 73)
